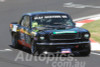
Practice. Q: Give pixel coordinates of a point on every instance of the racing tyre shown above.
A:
(86, 50)
(15, 43)
(33, 48)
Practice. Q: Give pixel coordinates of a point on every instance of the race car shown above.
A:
(50, 32)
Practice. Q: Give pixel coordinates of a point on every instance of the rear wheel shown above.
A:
(15, 43)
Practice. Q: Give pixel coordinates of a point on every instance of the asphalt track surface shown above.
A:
(11, 10)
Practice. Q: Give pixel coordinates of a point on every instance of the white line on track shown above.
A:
(95, 53)
(73, 5)
(92, 16)
(5, 50)
(2, 0)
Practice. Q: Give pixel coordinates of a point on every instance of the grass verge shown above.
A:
(94, 28)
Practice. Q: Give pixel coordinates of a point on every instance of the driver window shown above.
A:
(25, 21)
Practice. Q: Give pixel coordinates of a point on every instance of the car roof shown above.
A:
(44, 13)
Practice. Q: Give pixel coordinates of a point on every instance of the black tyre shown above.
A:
(86, 51)
(33, 48)
(15, 43)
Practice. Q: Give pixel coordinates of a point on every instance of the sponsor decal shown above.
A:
(52, 16)
(11, 25)
(22, 36)
(27, 39)
(15, 28)
(33, 33)
(62, 32)
(22, 30)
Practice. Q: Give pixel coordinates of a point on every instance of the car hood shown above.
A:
(70, 30)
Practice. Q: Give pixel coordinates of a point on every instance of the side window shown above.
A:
(22, 22)
(27, 24)
(25, 21)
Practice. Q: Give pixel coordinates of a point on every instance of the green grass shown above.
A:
(94, 28)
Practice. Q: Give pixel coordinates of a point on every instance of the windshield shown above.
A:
(52, 20)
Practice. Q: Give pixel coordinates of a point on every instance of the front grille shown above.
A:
(63, 36)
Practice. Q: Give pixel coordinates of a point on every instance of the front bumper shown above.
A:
(57, 48)
(85, 42)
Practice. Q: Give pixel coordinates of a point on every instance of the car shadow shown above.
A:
(24, 49)
(27, 50)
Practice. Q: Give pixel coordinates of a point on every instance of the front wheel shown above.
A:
(33, 48)
(86, 51)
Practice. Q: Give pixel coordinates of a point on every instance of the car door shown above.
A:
(25, 28)
(27, 32)
(22, 30)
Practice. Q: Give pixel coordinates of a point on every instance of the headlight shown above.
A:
(42, 38)
(86, 35)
